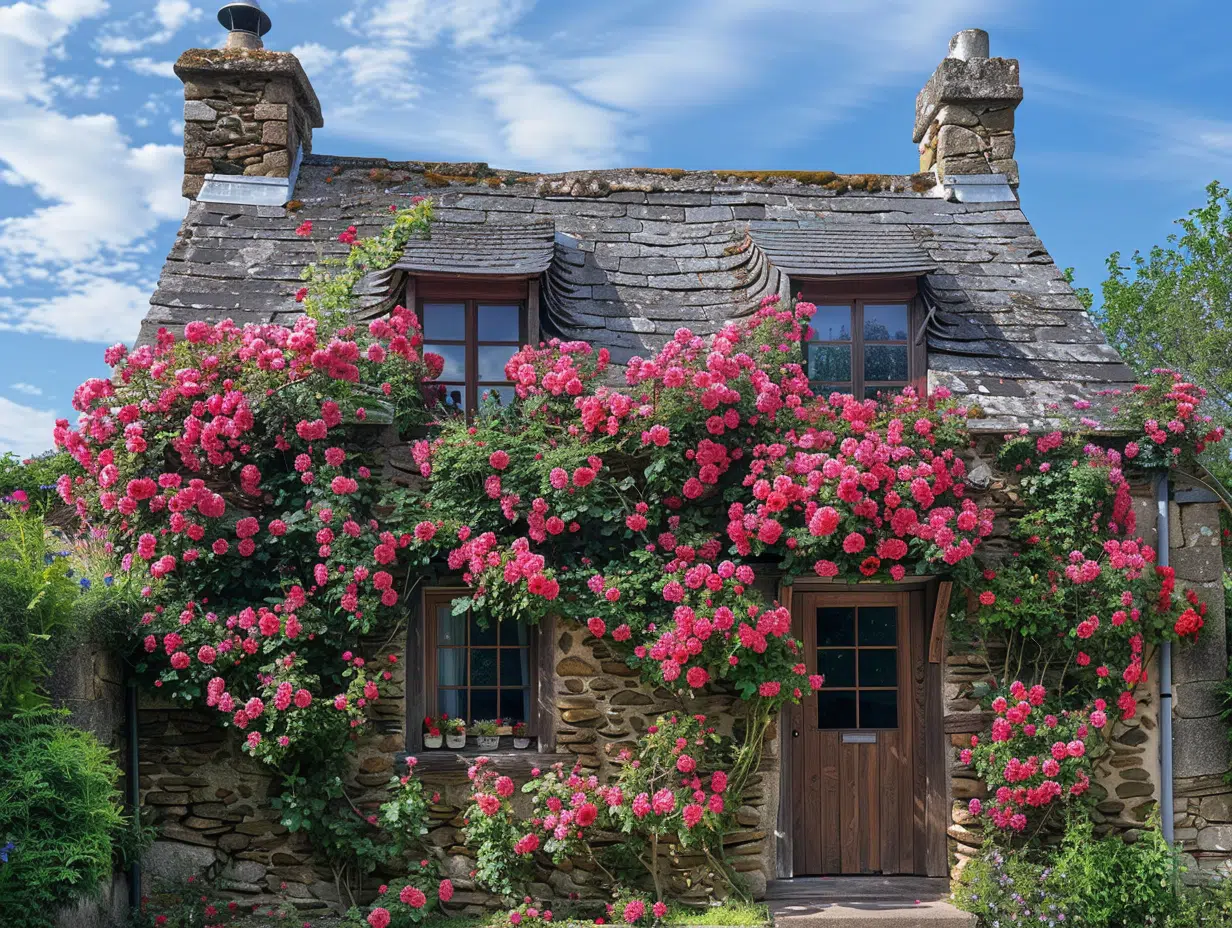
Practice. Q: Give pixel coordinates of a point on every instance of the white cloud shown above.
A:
(25, 430)
(174, 14)
(151, 68)
(97, 309)
(315, 57)
(100, 193)
(547, 125)
(27, 34)
(27, 388)
(383, 68)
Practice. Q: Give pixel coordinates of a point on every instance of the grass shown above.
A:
(734, 914)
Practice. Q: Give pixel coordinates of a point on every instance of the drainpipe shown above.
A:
(1165, 675)
(134, 792)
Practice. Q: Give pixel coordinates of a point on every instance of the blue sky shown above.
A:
(1126, 117)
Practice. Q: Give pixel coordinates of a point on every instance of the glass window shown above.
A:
(475, 339)
(861, 347)
(479, 671)
(857, 651)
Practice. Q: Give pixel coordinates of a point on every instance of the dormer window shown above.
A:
(864, 337)
(476, 327)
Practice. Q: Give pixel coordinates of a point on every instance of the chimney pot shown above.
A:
(968, 44)
(246, 22)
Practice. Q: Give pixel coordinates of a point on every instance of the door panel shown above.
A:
(853, 757)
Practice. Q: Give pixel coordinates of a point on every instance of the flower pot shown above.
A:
(456, 741)
(521, 743)
(488, 742)
(433, 741)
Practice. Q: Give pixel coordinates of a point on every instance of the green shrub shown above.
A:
(36, 477)
(1104, 883)
(1208, 906)
(59, 808)
(36, 599)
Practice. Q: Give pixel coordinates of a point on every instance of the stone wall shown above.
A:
(211, 802)
(246, 112)
(1202, 800)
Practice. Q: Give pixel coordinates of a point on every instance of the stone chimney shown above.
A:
(248, 115)
(964, 116)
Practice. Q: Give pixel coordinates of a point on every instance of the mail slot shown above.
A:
(859, 737)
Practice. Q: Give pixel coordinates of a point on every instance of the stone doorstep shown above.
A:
(869, 914)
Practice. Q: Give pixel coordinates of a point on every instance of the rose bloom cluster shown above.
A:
(185, 450)
(1033, 758)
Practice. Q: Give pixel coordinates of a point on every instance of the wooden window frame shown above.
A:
(421, 667)
(857, 293)
(472, 292)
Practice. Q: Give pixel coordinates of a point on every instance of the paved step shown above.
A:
(864, 902)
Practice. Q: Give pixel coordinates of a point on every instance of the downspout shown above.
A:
(134, 792)
(1166, 816)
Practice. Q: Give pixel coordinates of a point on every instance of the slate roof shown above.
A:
(628, 256)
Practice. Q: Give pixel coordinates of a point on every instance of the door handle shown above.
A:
(795, 734)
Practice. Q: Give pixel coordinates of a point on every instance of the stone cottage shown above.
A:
(932, 278)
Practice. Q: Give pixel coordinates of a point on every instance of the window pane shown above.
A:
(445, 399)
(499, 323)
(445, 321)
(825, 389)
(494, 399)
(882, 389)
(885, 323)
(450, 628)
(515, 633)
(885, 362)
(514, 666)
(515, 705)
(451, 666)
(484, 704)
(838, 667)
(829, 362)
(836, 710)
(832, 324)
(836, 627)
(879, 709)
(455, 360)
(481, 634)
(878, 625)
(451, 703)
(879, 667)
(492, 361)
(483, 666)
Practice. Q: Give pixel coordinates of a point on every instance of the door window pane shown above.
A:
(878, 625)
(832, 324)
(445, 399)
(836, 709)
(837, 666)
(514, 667)
(829, 362)
(482, 635)
(879, 667)
(483, 666)
(836, 627)
(450, 628)
(499, 323)
(513, 633)
(451, 666)
(879, 709)
(445, 321)
(885, 362)
(451, 703)
(886, 323)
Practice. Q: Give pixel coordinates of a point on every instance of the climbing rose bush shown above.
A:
(1035, 758)
(233, 473)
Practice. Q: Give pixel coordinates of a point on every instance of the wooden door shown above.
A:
(858, 801)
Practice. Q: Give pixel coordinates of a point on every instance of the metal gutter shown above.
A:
(1167, 816)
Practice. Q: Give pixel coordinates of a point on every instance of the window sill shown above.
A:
(512, 761)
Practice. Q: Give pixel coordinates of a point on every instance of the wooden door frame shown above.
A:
(929, 738)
